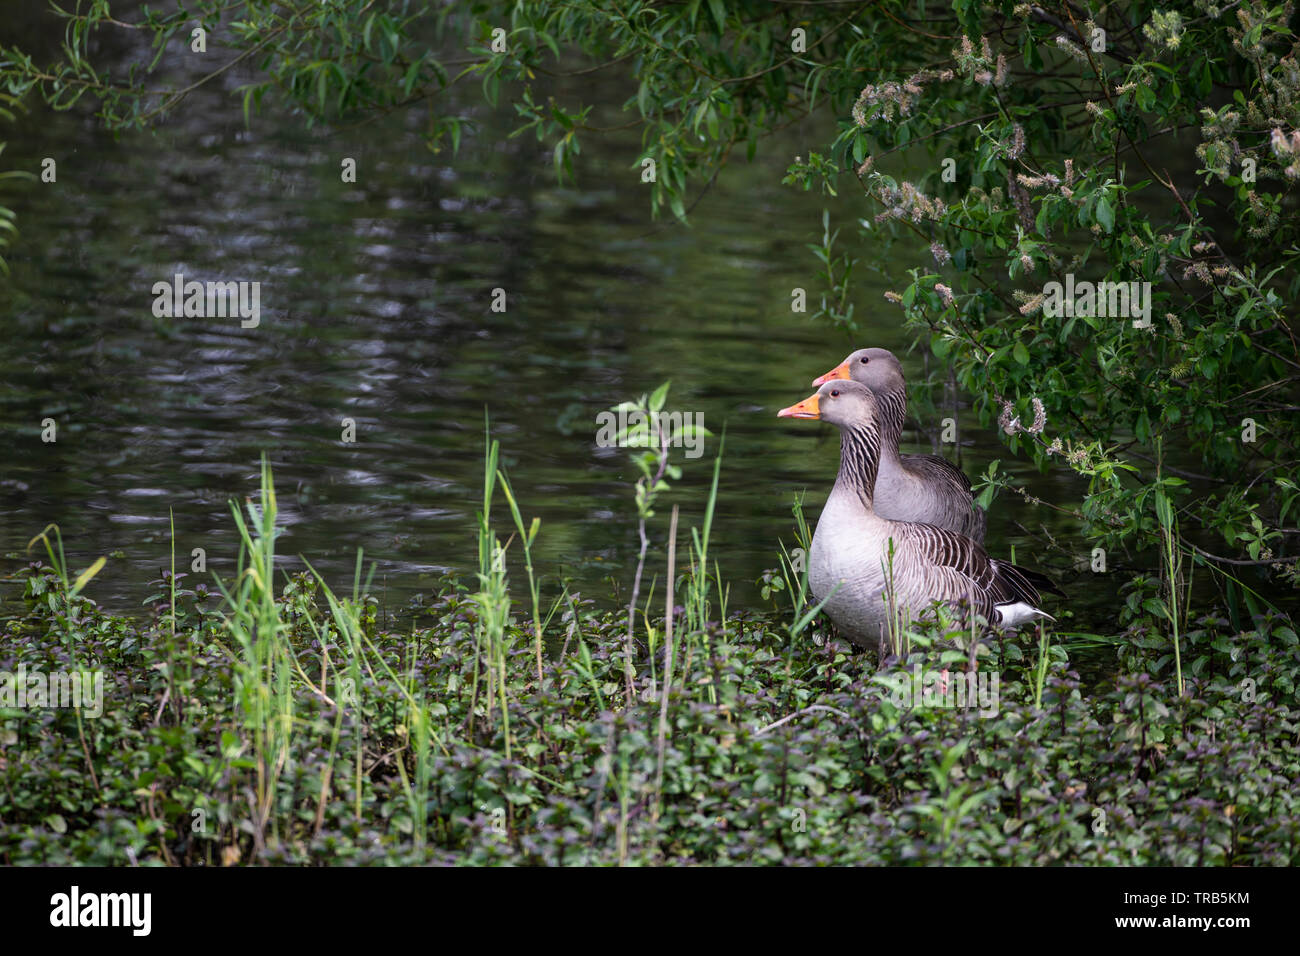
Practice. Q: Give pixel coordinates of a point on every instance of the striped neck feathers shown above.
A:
(859, 461)
(893, 412)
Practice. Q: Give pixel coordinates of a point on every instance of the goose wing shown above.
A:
(939, 469)
(954, 488)
(934, 564)
(950, 567)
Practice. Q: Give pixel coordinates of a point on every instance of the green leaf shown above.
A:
(1105, 215)
(1164, 510)
(659, 396)
(719, 11)
(412, 74)
(84, 578)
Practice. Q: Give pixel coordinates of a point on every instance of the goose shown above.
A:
(909, 487)
(850, 558)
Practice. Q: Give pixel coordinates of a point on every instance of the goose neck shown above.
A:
(859, 462)
(893, 412)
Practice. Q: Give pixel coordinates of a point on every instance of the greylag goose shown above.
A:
(909, 487)
(851, 546)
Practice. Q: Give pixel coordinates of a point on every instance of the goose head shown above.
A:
(877, 369)
(842, 402)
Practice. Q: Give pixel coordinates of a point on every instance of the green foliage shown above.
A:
(324, 738)
(645, 424)
(8, 227)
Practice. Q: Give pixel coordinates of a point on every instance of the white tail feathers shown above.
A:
(1020, 613)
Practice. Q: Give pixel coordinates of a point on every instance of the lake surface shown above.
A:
(375, 305)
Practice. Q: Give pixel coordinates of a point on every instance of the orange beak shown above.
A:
(839, 371)
(805, 409)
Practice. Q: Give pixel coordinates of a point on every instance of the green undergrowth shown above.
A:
(269, 720)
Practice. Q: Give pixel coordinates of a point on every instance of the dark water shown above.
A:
(375, 306)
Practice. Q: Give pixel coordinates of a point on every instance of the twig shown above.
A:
(86, 750)
(1261, 561)
(800, 713)
(668, 664)
(629, 673)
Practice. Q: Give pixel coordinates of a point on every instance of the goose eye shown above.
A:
(835, 393)
(864, 360)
